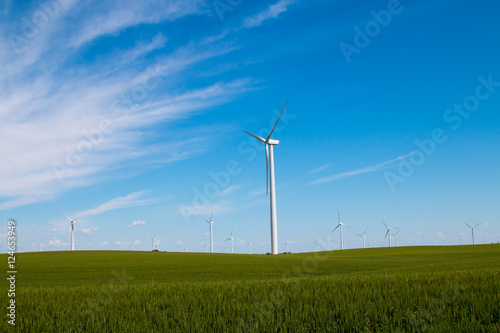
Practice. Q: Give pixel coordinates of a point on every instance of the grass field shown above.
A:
(406, 289)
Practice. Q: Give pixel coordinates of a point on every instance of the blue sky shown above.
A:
(132, 115)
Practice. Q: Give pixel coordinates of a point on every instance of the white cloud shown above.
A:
(104, 243)
(131, 200)
(59, 105)
(136, 223)
(271, 12)
(89, 231)
(373, 168)
(320, 168)
(441, 235)
(57, 243)
(179, 243)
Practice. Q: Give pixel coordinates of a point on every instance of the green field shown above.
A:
(406, 289)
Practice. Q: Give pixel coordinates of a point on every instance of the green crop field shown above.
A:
(405, 289)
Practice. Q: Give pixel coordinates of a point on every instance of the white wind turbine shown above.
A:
(153, 243)
(210, 222)
(317, 244)
(341, 237)
(72, 231)
(388, 233)
(397, 241)
(250, 245)
(472, 230)
(205, 245)
(269, 143)
(286, 244)
(232, 241)
(40, 244)
(364, 237)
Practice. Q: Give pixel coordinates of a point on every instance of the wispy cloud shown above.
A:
(63, 102)
(271, 12)
(321, 168)
(373, 168)
(131, 200)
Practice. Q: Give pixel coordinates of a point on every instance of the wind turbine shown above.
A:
(153, 242)
(269, 143)
(250, 245)
(286, 244)
(133, 244)
(472, 230)
(388, 232)
(205, 244)
(72, 230)
(397, 241)
(232, 241)
(317, 244)
(210, 222)
(40, 244)
(364, 237)
(340, 225)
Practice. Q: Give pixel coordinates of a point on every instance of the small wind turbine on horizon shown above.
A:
(340, 225)
(72, 231)
(250, 245)
(40, 244)
(472, 230)
(210, 223)
(397, 240)
(364, 237)
(286, 244)
(232, 241)
(205, 245)
(388, 233)
(153, 242)
(270, 182)
(317, 245)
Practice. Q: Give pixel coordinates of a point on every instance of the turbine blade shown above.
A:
(67, 216)
(256, 136)
(365, 231)
(385, 224)
(271, 133)
(338, 225)
(477, 225)
(387, 233)
(211, 215)
(267, 168)
(338, 213)
(468, 225)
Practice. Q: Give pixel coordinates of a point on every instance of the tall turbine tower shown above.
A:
(364, 237)
(269, 143)
(472, 230)
(341, 237)
(210, 222)
(72, 230)
(388, 233)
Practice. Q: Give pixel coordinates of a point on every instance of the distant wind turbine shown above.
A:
(40, 244)
(205, 245)
(210, 222)
(72, 231)
(154, 242)
(250, 245)
(341, 237)
(286, 244)
(317, 244)
(472, 230)
(388, 233)
(364, 237)
(269, 143)
(232, 241)
(397, 241)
